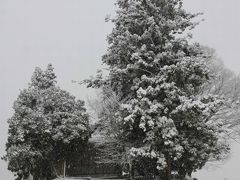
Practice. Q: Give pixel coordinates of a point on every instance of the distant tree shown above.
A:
(48, 126)
(111, 147)
(159, 78)
(226, 84)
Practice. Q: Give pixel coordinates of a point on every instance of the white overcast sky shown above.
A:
(71, 34)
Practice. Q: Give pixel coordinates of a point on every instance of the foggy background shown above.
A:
(71, 34)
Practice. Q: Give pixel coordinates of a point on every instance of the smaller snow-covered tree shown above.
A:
(47, 126)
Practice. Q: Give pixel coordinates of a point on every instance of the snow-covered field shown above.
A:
(83, 178)
(94, 179)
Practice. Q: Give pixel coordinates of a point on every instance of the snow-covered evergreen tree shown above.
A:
(48, 125)
(158, 75)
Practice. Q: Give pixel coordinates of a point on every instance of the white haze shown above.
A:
(71, 34)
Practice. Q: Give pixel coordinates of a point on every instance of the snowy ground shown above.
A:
(84, 179)
(90, 179)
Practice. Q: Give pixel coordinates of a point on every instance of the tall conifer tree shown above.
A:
(158, 76)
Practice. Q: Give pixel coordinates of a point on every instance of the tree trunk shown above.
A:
(64, 169)
(130, 171)
(168, 170)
